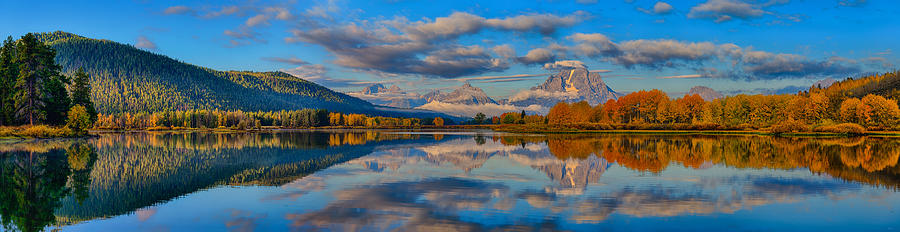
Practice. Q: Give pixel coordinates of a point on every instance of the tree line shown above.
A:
(304, 118)
(846, 105)
(34, 91)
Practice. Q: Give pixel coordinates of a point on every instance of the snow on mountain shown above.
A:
(571, 84)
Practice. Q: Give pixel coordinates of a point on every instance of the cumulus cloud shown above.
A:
(490, 109)
(592, 45)
(748, 63)
(725, 10)
(428, 48)
(658, 53)
(545, 24)
(662, 8)
(766, 64)
(537, 56)
(504, 51)
(143, 42)
(450, 27)
(225, 10)
(245, 33)
(257, 20)
(173, 10)
(564, 64)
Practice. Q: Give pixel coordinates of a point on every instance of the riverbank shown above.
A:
(45, 132)
(561, 129)
(37, 132)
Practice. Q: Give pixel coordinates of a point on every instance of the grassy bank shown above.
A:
(37, 132)
(620, 129)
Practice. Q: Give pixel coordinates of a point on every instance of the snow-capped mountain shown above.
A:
(465, 94)
(393, 96)
(570, 85)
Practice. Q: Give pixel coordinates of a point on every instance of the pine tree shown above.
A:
(57, 100)
(36, 67)
(81, 93)
(29, 95)
(8, 73)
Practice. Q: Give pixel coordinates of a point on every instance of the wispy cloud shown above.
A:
(689, 76)
(289, 60)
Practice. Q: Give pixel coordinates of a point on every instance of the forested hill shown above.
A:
(127, 79)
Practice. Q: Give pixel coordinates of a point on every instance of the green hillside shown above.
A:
(127, 79)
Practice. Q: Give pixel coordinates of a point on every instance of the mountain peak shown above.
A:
(707, 93)
(51, 37)
(465, 94)
(575, 83)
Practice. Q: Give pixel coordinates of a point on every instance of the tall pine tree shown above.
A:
(8, 74)
(36, 66)
(81, 93)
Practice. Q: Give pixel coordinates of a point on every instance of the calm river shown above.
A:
(448, 181)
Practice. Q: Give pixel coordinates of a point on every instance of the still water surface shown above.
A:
(457, 181)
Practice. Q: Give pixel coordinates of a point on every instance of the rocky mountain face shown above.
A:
(708, 94)
(465, 94)
(393, 96)
(570, 85)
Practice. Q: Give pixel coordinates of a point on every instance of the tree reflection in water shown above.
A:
(61, 182)
(36, 177)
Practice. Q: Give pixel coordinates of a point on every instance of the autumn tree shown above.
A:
(561, 113)
(438, 121)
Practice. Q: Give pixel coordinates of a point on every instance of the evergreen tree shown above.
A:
(8, 73)
(29, 94)
(57, 101)
(36, 69)
(81, 93)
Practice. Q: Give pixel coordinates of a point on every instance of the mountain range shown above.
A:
(569, 85)
(128, 79)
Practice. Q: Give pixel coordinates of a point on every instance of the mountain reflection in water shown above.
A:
(469, 181)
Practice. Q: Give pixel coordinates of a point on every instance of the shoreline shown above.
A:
(495, 128)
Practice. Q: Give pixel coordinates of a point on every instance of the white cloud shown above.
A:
(463, 110)
(143, 42)
(541, 94)
(662, 8)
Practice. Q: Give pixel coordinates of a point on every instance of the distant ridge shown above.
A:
(707, 93)
(128, 79)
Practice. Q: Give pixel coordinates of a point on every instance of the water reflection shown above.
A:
(35, 178)
(368, 180)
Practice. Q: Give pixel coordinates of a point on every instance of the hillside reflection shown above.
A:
(423, 181)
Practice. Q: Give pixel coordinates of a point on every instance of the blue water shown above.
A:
(471, 181)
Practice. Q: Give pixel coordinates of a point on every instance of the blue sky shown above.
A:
(730, 45)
